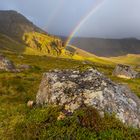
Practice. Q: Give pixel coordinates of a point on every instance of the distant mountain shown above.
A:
(14, 25)
(79, 52)
(18, 34)
(107, 47)
(15, 28)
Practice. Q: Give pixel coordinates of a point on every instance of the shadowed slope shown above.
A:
(107, 47)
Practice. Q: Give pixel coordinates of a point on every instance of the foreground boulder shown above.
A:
(125, 71)
(73, 89)
(5, 64)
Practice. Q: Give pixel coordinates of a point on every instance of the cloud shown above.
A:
(116, 18)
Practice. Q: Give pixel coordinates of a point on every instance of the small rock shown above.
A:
(30, 104)
(125, 71)
(6, 64)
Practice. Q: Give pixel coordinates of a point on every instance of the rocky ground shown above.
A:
(125, 71)
(6, 64)
(73, 89)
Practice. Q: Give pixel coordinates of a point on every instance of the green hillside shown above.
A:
(19, 122)
(35, 44)
(128, 59)
(20, 35)
(45, 44)
(9, 45)
(42, 44)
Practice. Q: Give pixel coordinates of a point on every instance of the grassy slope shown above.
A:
(128, 59)
(9, 45)
(19, 122)
(43, 43)
(86, 56)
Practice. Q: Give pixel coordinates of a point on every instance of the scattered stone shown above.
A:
(30, 104)
(73, 89)
(6, 65)
(125, 71)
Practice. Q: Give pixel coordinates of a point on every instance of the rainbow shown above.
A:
(80, 24)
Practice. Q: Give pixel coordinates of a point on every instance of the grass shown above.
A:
(19, 122)
(130, 59)
(86, 123)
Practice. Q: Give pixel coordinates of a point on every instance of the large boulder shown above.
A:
(125, 71)
(73, 89)
(6, 64)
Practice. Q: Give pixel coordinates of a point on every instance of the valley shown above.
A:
(25, 44)
(107, 47)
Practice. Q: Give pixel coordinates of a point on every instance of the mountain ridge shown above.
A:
(106, 47)
(14, 24)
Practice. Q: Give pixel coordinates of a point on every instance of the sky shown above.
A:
(112, 18)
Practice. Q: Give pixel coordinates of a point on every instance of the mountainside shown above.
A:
(18, 34)
(24, 36)
(15, 25)
(108, 47)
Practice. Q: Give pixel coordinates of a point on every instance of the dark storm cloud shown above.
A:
(115, 18)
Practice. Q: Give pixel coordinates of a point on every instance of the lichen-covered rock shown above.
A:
(6, 65)
(73, 89)
(125, 71)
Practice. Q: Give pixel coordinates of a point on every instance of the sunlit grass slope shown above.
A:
(33, 43)
(19, 122)
(131, 59)
(46, 44)
(41, 44)
(11, 46)
(80, 54)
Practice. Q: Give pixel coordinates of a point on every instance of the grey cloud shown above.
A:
(115, 19)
